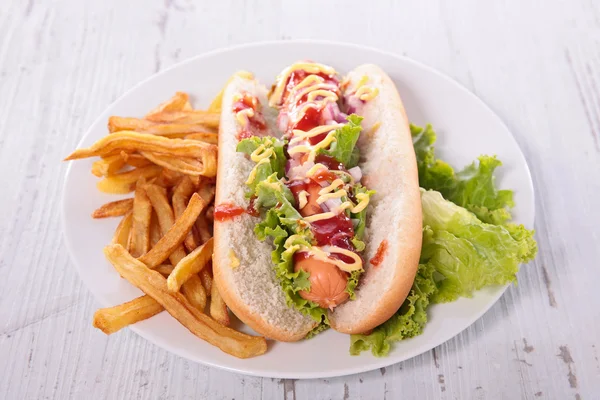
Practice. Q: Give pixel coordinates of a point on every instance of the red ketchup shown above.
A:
(256, 125)
(381, 252)
(226, 211)
(328, 281)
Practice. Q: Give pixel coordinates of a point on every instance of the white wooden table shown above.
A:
(536, 63)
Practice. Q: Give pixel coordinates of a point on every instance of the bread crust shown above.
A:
(372, 306)
(367, 311)
(222, 270)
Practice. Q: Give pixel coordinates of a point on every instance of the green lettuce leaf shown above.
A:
(284, 225)
(353, 282)
(344, 149)
(277, 160)
(408, 322)
(472, 188)
(468, 241)
(466, 253)
(360, 217)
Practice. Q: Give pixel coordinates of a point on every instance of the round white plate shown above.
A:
(466, 128)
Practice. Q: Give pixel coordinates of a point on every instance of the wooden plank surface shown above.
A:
(537, 64)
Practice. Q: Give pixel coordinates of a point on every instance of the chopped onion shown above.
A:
(356, 173)
(296, 170)
(332, 203)
(282, 121)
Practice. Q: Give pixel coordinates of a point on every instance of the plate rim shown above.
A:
(379, 362)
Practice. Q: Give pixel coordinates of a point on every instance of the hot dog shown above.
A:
(317, 215)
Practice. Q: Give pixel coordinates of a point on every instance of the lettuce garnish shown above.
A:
(468, 241)
(283, 224)
(276, 162)
(344, 149)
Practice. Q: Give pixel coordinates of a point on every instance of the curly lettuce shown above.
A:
(276, 160)
(468, 241)
(283, 224)
(344, 149)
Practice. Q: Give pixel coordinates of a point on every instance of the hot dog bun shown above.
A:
(251, 290)
(388, 162)
(394, 214)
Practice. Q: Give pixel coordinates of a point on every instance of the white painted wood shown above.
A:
(537, 64)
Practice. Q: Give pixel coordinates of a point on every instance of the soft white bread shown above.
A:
(394, 214)
(251, 290)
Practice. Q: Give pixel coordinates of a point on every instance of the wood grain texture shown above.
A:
(536, 64)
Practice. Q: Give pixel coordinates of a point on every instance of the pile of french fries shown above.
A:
(163, 244)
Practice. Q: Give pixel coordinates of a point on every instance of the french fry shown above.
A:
(186, 165)
(207, 118)
(181, 195)
(155, 233)
(112, 319)
(121, 235)
(107, 166)
(135, 160)
(113, 209)
(171, 130)
(195, 293)
(168, 178)
(134, 141)
(207, 137)
(210, 214)
(218, 308)
(124, 182)
(175, 235)
(207, 278)
(190, 265)
(155, 285)
(142, 213)
(164, 269)
(166, 219)
(203, 229)
(192, 289)
(175, 103)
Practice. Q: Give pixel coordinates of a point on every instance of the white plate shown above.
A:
(466, 128)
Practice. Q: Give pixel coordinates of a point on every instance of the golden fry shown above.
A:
(110, 320)
(204, 231)
(168, 178)
(190, 166)
(155, 285)
(173, 130)
(207, 137)
(142, 213)
(107, 166)
(175, 235)
(207, 278)
(210, 214)
(164, 269)
(175, 103)
(181, 195)
(155, 233)
(121, 235)
(218, 308)
(114, 209)
(124, 182)
(134, 141)
(193, 290)
(166, 219)
(207, 118)
(190, 265)
(135, 160)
